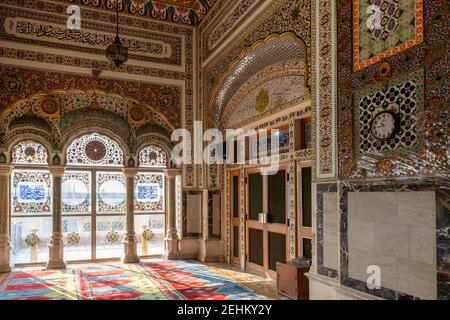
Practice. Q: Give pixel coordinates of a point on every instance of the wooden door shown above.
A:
(266, 242)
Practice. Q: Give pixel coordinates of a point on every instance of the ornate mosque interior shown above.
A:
(94, 95)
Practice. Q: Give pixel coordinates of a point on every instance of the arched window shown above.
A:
(149, 202)
(29, 152)
(94, 150)
(31, 202)
(152, 156)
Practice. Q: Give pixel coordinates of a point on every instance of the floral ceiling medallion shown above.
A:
(50, 107)
(136, 114)
(95, 150)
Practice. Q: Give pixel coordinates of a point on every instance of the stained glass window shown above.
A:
(31, 192)
(76, 192)
(111, 193)
(152, 156)
(31, 221)
(95, 150)
(29, 151)
(149, 193)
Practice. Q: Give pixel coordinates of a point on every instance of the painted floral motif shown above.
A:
(432, 152)
(231, 20)
(189, 12)
(29, 152)
(281, 92)
(73, 239)
(147, 234)
(94, 150)
(152, 156)
(112, 237)
(386, 27)
(145, 92)
(32, 239)
(10, 82)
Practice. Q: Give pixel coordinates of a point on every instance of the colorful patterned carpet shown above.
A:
(154, 280)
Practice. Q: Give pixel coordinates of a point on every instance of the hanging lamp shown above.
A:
(116, 52)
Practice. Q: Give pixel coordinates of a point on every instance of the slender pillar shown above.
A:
(172, 250)
(5, 245)
(130, 241)
(56, 245)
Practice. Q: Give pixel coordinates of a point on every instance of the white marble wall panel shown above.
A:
(330, 231)
(395, 231)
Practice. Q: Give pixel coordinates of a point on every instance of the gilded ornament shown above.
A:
(262, 100)
(50, 107)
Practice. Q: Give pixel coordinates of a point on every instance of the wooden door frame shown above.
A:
(302, 232)
(234, 221)
(265, 227)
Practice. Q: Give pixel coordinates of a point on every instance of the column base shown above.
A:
(130, 249)
(56, 252)
(5, 254)
(172, 251)
(210, 250)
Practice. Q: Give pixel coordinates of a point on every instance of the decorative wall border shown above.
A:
(227, 198)
(441, 188)
(227, 23)
(324, 88)
(320, 190)
(242, 217)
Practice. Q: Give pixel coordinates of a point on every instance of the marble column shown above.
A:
(56, 245)
(130, 240)
(172, 250)
(5, 245)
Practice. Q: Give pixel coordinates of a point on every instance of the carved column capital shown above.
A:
(130, 172)
(172, 173)
(5, 170)
(57, 171)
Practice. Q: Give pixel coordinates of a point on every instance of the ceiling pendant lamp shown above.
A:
(116, 52)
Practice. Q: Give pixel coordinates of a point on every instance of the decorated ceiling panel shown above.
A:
(262, 55)
(54, 110)
(188, 12)
(277, 17)
(48, 30)
(20, 83)
(271, 95)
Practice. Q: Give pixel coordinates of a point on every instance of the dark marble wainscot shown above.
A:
(441, 187)
(320, 190)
